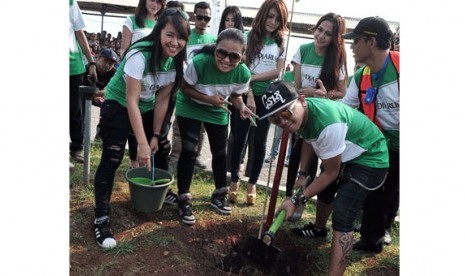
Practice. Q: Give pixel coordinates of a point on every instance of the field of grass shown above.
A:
(202, 249)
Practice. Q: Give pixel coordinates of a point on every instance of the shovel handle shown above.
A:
(280, 218)
(278, 221)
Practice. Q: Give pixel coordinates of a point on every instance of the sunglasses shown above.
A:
(233, 56)
(283, 115)
(173, 11)
(203, 17)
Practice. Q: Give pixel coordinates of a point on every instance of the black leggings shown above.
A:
(189, 130)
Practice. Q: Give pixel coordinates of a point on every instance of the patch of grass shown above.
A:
(75, 176)
(159, 238)
(86, 194)
(123, 247)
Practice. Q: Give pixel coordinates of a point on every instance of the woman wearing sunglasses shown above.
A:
(214, 74)
(137, 98)
(265, 59)
(353, 152)
(320, 71)
(198, 38)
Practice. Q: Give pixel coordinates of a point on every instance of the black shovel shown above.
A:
(260, 251)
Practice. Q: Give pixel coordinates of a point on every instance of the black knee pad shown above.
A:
(164, 145)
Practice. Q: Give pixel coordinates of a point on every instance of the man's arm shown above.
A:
(81, 38)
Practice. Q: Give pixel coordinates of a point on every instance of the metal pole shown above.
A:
(87, 92)
(87, 141)
(102, 12)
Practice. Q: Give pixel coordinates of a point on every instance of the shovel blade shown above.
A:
(260, 253)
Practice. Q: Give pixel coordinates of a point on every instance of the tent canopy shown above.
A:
(109, 6)
(302, 21)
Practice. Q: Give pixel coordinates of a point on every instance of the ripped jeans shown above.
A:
(190, 136)
(114, 129)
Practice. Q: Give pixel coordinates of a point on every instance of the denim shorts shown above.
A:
(355, 182)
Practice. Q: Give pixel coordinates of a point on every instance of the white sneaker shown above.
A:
(103, 234)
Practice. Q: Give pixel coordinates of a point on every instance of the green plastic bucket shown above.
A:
(147, 198)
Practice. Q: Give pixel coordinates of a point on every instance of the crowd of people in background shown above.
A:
(217, 84)
(99, 41)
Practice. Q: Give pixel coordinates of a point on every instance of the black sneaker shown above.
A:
(218, 201)
(310, 230)
(171, 198)
(185, 210)
(103, 234)
(365, 246)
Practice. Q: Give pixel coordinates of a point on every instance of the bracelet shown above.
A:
(157, 135)
(304, 173)
(92, 63)
(299, 199)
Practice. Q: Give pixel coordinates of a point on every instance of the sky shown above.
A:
(34, 143)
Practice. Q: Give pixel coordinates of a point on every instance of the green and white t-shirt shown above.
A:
(139, 32)
(289, 77)
(197, 41)
(76, 23)
(311, 64)
(334, 128)
(136, 64)
(387, 103)
(203, 75)
(267, 61)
